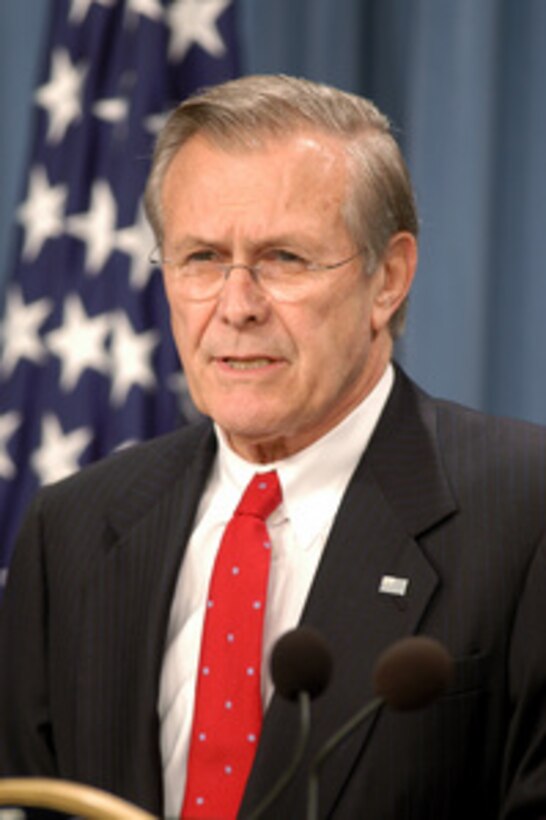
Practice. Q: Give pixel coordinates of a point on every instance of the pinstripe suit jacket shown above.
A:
(449, 499)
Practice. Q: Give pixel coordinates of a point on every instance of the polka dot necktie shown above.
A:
(228, 708)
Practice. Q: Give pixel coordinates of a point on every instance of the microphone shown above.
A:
(409, 674)
(301, 668)
(412, 673)
(301, 662)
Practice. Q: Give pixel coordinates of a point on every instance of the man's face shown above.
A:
(275, 376)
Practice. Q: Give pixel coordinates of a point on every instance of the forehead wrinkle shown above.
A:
(301, 196)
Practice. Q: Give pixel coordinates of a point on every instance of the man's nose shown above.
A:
(242, 299)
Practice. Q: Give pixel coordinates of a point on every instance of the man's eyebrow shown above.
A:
(189, 240)
(301, 241)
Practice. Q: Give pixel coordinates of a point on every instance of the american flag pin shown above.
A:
(391, 585)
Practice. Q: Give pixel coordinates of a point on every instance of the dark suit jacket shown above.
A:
(449, 499)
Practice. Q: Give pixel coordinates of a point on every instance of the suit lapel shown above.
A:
(125, 616)
(397, 491)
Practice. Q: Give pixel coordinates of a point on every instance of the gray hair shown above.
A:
(244, 112)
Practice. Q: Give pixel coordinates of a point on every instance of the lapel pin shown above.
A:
(391, 585)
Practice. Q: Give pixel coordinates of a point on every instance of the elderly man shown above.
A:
(140, 615)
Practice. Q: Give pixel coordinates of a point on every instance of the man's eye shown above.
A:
(201, 256)
(284, 257)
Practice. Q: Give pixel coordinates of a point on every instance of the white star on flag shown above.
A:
(96, 227)
(79, 343)
(154, 123)
(9, 422)
(42, 213)
(80, 8)
(131, 358)
(61, 96)
(152, 9)
(58, 453)
(194, 21)
(137, 241)
(21, 330)
(113, 109)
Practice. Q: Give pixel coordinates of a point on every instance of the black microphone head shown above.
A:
(412, 673)
(301, 661)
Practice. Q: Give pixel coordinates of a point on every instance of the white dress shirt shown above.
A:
(313, 482)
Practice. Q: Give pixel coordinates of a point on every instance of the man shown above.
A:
(286, 231)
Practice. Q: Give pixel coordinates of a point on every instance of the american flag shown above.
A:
(87, 363)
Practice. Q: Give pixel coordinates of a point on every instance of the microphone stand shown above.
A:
(328, 748)
(304, 702)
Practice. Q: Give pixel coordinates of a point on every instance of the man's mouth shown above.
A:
(247, 364)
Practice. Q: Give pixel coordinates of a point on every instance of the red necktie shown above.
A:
(228, 709)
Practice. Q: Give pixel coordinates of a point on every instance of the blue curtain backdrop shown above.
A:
(463, 82)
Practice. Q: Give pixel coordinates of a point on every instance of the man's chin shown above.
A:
(255, 440)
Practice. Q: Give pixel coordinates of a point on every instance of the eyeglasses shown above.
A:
(284, 276)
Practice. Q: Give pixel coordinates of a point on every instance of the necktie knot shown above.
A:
(262, 496)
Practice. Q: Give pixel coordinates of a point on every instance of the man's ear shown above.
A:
(394, 276)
